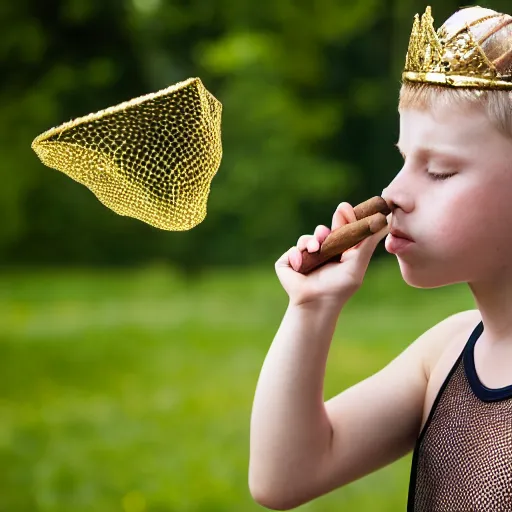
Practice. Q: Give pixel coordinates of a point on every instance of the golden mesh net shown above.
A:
(152, 158)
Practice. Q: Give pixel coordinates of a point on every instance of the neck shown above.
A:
(493, 298)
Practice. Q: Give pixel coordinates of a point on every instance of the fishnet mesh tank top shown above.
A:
(462, 461)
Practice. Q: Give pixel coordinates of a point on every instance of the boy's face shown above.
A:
(461, 226)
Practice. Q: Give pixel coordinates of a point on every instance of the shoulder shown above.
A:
(447, 338)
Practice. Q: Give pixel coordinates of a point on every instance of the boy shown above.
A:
(448, 396)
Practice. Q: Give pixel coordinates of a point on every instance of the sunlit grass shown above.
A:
(131, 390)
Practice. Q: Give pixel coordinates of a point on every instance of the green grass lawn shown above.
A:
(131, 390)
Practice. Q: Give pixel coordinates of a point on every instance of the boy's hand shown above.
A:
(334, 282)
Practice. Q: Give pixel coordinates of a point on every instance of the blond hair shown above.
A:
(493, 31)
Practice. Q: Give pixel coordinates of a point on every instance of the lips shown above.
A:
(396, 245)
(397, 233)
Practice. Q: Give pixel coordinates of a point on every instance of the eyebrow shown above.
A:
(430, 152)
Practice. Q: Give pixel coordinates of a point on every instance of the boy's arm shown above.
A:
(301, 447)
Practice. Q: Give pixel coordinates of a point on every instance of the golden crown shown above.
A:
(455, 60)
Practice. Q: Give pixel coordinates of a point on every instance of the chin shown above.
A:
(426, 277)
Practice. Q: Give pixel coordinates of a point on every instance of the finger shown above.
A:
(348, 210)
(321, 233)
(289, 259)
(283, 260)
(313, 245)
(344, 214)
(308, 241)
(295, 258)
(303, 241)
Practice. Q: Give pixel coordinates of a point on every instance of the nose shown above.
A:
(392, 205)
(396, 195)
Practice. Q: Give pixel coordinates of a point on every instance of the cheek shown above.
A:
(472, 223)
(457, 223)
(462, 237)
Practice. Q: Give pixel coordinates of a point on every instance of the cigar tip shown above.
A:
(386, 210)
(377, 222)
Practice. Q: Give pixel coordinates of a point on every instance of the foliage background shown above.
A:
(100, 312)
(309, 90)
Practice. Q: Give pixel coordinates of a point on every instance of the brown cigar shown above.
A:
(371, 218)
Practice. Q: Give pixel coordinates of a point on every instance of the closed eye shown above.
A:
(439, 177)
(433, 175)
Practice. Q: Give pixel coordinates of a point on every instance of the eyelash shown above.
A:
(434, 176)
(440, 177)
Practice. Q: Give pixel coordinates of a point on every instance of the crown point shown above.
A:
(427, 16)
